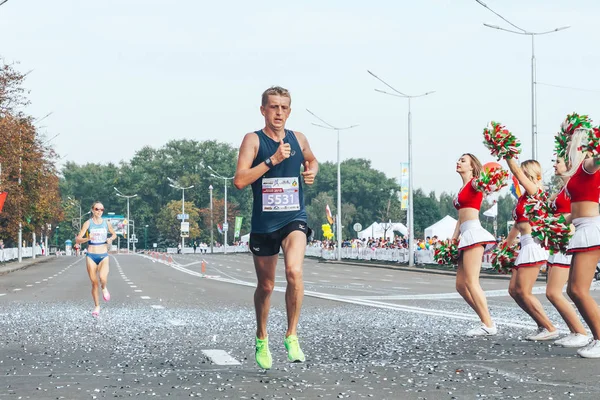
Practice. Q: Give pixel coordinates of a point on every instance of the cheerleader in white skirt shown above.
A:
(473, 240)
(584, 190)
(531, 255)
(558, 271)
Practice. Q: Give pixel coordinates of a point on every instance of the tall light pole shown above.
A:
(74, 202)
(127, 197)
(215, 174)
(145, 237)
(521, 31)
(338, 217)
(175, 185)
(411, 233)
(210, 190)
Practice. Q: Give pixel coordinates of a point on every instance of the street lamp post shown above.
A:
(210, 191)
(56, 238)
(145, 237)
(175, 185)
(74, 202)
(215, 174)
(338, 217)
(411, 234)
(521, 31)
(127, 197)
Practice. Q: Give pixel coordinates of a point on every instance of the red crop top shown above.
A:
(583, 186)
(519, 211)
(562, 204)
(468, 197)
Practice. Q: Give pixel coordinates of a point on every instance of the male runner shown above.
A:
(270, 161)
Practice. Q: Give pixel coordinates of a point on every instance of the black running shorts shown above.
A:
(268, 244)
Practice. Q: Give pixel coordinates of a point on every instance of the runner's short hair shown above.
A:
(275, 91)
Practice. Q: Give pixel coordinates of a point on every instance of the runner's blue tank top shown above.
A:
(98, 232)
(278, 195)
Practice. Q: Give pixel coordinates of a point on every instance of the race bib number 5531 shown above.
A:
(280, 194)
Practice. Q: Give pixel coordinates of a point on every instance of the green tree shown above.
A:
(169, 226)
(426, 211)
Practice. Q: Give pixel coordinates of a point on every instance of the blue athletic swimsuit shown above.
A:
(98, 234)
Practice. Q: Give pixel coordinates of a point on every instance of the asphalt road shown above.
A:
(170, 331)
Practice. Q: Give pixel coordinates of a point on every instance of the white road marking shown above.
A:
(17, 289)
(450, 295)
(45, 280)
(220, 357)
(157, 307)
(145, 297)
(2, 294)
(138, 290)
(38, 282)
(369, 303)
(132, 286)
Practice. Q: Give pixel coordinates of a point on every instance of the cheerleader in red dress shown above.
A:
(473, 241)
(558, 271)
(531, 254)
(583, 189)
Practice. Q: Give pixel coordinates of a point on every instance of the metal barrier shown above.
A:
(13, 253)
(206, 250)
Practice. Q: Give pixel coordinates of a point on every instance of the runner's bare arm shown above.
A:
(80, 239)
(112, 232)
(244, 174)
(307, 153)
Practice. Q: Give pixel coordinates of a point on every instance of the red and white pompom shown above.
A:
(500, 141)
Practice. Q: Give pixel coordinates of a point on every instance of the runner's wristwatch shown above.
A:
(269, 162)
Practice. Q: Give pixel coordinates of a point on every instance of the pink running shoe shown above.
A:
(105, 294)
(96, 313)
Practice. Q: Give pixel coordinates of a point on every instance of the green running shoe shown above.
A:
(292, 346)
(263, 355)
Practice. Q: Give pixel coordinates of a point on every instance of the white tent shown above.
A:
(443, 229)
(377, 230)
(245, 238)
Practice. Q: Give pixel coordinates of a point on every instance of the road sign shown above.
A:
(133, 240)
(357, 227)
(183, 216)
(185, 227)
(225, 226)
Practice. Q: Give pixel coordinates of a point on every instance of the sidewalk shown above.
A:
(425, 268)
(14, 265)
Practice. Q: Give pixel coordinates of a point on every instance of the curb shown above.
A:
(7, 269)
(423, 270)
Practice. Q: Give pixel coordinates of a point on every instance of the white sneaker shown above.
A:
(592, 350)
(535, 333)
(543, 334)
(482, 330)
(574, 340)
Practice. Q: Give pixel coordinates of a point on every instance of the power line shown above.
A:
(569, 87)
(2, 2)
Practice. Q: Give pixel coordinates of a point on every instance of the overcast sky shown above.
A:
(118, 75)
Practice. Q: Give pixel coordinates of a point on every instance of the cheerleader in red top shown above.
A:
(584, 190)
(558, 271)
(473, 240)
(531, 255)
